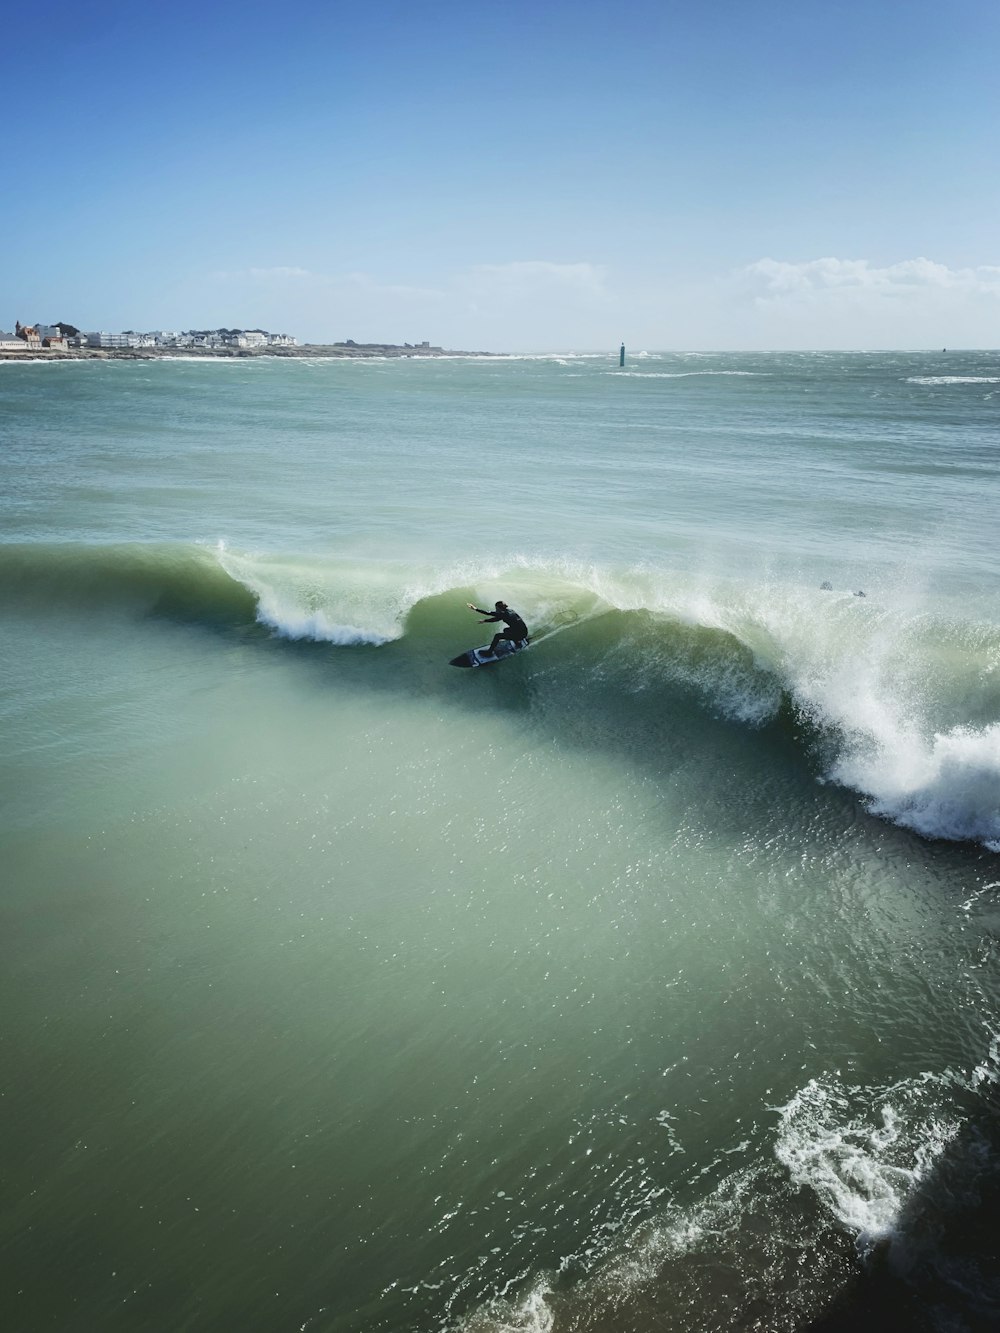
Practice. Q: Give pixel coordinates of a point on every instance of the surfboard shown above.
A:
(477, 657)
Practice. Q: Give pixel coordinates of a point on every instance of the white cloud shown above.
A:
(773, 279)
(281, 271)
(830, 302)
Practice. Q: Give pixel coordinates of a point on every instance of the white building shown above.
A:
(245, 338)
(108, 341)
(9, 342)
(208, 339)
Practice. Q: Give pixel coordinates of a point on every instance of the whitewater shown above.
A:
(646, 981)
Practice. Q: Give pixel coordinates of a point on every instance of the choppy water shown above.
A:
(646, 981)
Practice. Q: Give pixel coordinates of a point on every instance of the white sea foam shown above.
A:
(947, 786)
(869, 675)
(532, 1313)
(193, 359)
(684, 374)
(18, 360)
(642, 1255)
(669, 1253)
(988, 1070)
(952, 379)
(862, 1151)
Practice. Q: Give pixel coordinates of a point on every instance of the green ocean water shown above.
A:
(646, 981)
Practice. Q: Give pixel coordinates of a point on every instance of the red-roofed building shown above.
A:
(28, 334)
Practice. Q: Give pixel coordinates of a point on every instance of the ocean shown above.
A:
(648, 980)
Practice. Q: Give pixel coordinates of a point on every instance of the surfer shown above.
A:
(516, 630)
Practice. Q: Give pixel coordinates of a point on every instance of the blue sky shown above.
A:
(507, 176)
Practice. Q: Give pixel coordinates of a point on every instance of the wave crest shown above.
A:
(902, 707)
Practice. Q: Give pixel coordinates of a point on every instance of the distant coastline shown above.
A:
(342, 351)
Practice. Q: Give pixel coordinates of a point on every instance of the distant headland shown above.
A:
(67, 342)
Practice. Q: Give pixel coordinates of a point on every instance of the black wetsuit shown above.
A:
(516, 631)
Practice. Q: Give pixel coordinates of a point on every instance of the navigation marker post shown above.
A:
(621, 357)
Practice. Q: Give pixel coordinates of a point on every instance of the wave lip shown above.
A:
(905, 701)
(323, 602)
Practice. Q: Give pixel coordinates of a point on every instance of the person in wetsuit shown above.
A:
(515, 629)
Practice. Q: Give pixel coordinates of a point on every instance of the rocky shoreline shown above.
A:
(346, 351)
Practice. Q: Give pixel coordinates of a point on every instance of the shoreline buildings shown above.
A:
(63, 337)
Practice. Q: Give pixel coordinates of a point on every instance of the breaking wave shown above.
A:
(901, 707)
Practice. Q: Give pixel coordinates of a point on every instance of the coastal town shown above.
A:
(66, 337)
(66, 341)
